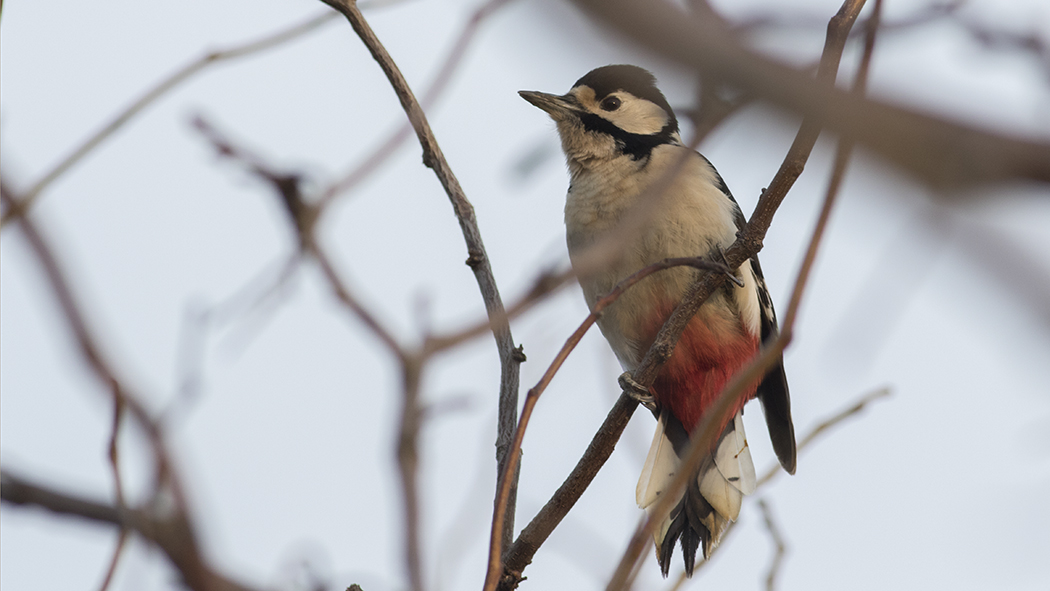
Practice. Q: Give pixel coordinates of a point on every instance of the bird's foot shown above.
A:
(643, 395)
(729, 273)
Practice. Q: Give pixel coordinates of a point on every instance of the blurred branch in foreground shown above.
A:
(944, 155)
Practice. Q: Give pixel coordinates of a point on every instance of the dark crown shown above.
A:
(637, 81)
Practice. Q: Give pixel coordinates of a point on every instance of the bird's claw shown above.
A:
(637, 391)
(729, 272)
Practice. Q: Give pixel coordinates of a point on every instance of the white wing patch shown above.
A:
(747, 300)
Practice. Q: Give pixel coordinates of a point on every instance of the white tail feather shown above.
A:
(661, 465)
(733, 474)
(733, 458)
(723, 496)
(723, 484)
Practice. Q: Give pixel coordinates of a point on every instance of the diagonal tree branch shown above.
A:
(495, 570)
(706, 433)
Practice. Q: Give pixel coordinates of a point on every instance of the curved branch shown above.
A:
(477, 258)
(455, 56)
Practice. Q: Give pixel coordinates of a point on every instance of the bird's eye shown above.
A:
(611, 104)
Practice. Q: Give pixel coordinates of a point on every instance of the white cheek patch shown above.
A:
(636, 115)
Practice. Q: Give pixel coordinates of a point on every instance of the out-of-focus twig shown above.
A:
(303, 216)
(843, 152)
(92, 353)
(153, 94)
(926, 14)
(827, 424)
(118, 551)
(779, 547)
(118, 486)
(172, 531)
(775, 469)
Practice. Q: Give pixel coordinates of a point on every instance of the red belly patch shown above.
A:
(712, 349)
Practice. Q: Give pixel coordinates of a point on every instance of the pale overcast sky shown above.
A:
(288, 447)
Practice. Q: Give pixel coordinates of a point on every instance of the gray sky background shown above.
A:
(288, 450)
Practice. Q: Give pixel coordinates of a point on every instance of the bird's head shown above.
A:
(611, 112)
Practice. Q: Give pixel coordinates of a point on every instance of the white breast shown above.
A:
(692, 218)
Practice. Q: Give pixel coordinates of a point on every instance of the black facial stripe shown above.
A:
(635, 145)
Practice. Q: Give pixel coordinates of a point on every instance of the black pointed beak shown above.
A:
(558, 107)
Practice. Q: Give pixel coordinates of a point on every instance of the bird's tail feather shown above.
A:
(711, 500)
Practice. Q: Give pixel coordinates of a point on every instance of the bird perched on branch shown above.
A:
(636, 197)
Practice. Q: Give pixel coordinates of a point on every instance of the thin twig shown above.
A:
(114, 453)
(546, 283)
(495, 566)
(152, 95)
(533, 535)
(444, 75)
(843, 152)
(408, 464)
(350, 301)
(477, 258)
(303, 217)
(826, 425)
(929, 13)
(775, 469)
(118, 486)
(779, 547)
(118, 551)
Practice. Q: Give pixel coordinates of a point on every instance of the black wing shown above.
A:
(773, 391)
